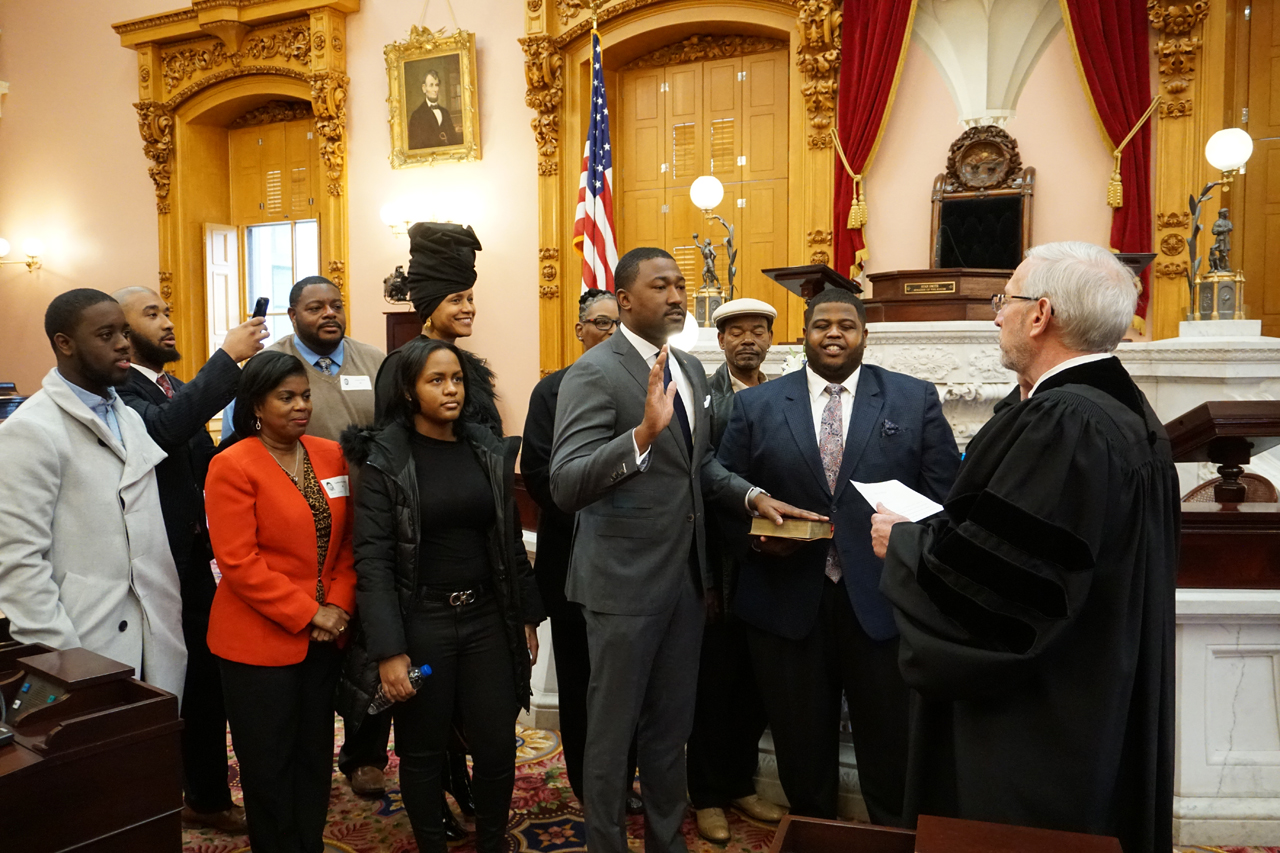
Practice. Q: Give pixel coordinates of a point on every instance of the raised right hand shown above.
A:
(246, 339)
(394, 673)
(659, 404)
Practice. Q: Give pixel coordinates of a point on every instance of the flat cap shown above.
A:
(738, 307)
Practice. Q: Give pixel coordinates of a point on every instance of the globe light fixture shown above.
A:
(706, 193)
(32, 247)
(1219, 293)
(1228, 150)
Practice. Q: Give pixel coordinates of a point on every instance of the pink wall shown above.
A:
(72, 172)
(1056, 133)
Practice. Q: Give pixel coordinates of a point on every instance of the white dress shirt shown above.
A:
(818, 397)
(148, 372)
(1067, 365)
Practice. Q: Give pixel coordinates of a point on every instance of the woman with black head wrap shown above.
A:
(441, 282)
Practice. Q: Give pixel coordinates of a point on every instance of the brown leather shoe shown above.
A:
(760, 808)
(231, 821)
(713, 825)
(368, 782)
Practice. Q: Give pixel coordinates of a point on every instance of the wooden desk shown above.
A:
(934, 294)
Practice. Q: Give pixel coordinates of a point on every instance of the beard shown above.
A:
(748, 359)
(1015, 355)
(152, 352)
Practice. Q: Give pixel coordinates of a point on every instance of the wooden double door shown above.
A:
(721, 117)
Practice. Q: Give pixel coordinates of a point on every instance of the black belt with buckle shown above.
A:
(454, 598)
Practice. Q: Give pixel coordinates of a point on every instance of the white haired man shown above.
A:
(1037, 612)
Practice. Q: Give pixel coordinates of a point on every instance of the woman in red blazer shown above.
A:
(280, 524)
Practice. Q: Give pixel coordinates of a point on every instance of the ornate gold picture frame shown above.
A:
(433, 98)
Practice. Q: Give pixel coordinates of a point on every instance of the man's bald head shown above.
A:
(150, 329)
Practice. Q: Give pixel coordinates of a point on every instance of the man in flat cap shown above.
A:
(816, 622)
(729, 716)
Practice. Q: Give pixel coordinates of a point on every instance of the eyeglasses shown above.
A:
(998, 300)
(604, 324)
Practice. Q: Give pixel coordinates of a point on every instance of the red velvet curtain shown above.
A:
(873, 44)
(1110, 39)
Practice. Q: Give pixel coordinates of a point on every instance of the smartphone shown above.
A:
(260, 308)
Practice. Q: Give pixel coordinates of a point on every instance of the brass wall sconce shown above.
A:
(31, 247)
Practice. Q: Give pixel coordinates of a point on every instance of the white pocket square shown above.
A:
(706, 402)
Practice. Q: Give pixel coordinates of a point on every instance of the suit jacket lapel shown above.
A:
(631, 360)
(867, 404)
(151, 390)
(799, 413)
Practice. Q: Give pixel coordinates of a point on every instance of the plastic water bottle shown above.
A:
(417, 677)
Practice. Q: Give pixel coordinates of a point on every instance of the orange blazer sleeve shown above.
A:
(230, 499)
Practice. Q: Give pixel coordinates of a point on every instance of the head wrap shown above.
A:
(442, 260)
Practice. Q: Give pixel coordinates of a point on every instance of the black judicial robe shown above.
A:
(1037, 618)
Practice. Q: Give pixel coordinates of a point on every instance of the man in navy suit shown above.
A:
(817, 623)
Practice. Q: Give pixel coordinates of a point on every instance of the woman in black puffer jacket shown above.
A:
(443, 579)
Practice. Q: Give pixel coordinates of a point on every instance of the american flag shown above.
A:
(593, 224)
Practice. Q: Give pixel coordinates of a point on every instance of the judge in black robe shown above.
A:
(1037, 614)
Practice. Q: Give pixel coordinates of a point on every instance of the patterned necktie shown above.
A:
(324, 363)
(165, 385)
(831, 447)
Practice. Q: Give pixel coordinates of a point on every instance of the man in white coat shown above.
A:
(84, 559)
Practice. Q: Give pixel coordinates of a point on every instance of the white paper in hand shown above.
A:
(899, 498)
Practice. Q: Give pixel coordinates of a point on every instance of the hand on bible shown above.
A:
(882, 523)
(659, 405)
(776, 510)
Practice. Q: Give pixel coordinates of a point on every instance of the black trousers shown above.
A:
(365, 745)
(472, 672)
(573, 674)
(204, 716)
(802, 681)
(728, 719)
(282, 730)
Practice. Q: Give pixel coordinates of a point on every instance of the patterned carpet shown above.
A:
(545, 817)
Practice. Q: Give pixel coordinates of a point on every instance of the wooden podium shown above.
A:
(95, 766)
(1228, 544)
(932, 835)
(935, 294)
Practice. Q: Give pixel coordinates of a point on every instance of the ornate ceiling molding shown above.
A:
(818, 58)
(703, 47)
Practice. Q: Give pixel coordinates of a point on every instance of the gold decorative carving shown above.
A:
(228, 73)
(317, 44)
(337, 270)
(548, 291)
(166, 286)
(533, 6)
(1173, 269)
(548, 271)
(699, 48)
(544, 78)
(548, 167)
(567, 9)
(144, 74)
(231, 33)
(1173, 220)
(422, 44)
(292, 44)
(1173, 244)
(818, 58)
(336, 41)
(545, 372)
(274, 111)
(820, 257)
(1176, 50)
(155, 124)
(983, 158)
(819, 238)
(549, 254)
(329, 99)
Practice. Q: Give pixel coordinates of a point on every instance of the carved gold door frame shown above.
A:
(197, 71)
(557, 71)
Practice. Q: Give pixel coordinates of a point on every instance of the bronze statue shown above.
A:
(1218, 260)
(709, 278)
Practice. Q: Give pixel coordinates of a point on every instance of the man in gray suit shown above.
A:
(632, 458)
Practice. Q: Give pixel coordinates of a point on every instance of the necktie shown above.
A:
(831, 447)
(682, 417)
(165, 385)
(323, 363)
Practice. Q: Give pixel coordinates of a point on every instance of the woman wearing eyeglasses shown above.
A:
(597, 320)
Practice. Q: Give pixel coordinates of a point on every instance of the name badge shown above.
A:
(337, 487)
(356, 383)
